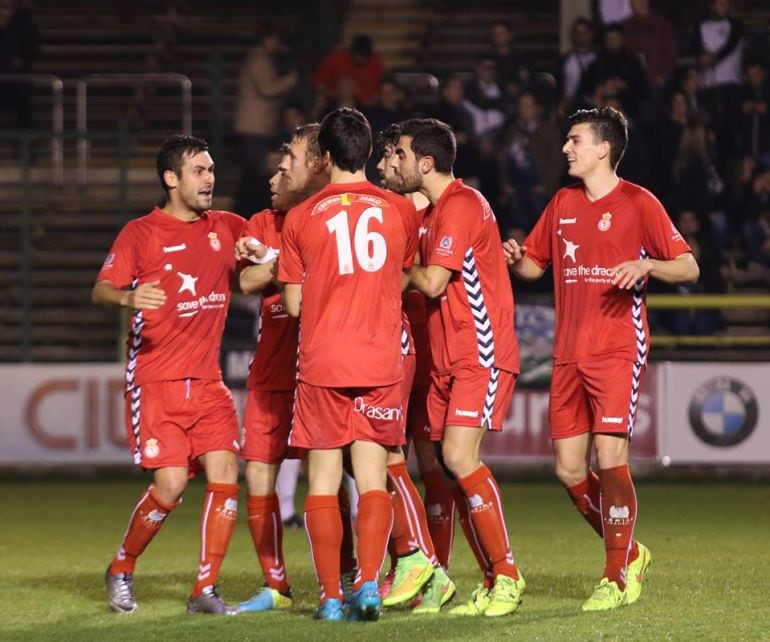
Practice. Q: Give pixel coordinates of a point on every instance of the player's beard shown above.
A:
(408, 183)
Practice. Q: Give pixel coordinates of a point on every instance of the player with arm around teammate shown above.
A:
(473, 348)
(273, 371)
(172, 268)
(604, 237)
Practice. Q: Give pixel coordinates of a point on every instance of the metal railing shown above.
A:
(57, 116)
(124, 80)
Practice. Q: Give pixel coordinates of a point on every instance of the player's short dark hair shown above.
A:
(431, 137)
(309, 132)
(347, 136)
(388, 137)
(173, 153)
(607, 124)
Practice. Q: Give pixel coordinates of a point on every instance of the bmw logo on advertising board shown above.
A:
(723, 412)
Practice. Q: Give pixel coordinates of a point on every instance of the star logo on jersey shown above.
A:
(569, 250)
(188, 283)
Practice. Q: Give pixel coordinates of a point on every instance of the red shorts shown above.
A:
(327, 418)
(266, 426)
(472, 396)
(172, 423)
(596, 396)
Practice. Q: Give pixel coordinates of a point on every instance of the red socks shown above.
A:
(486, 511)
(474, 541)
(148, 516)
(586, 496)
(220, 510)
(324, 531)
(266, 530)
(410, 511)
(375, 519)
(618, 507)
(440, 510)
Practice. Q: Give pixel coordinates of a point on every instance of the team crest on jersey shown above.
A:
(151, 449)
(214, 242)
(606, 222)
(108, 261)
(445, 245)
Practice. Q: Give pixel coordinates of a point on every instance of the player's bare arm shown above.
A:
(431, 280)
(255, 278)
(292, 298)
(146, 296)
(521, 265)
(682, 269)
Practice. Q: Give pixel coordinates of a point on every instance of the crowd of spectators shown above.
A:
(695, 92)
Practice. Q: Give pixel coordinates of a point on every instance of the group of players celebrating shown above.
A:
(381, 326)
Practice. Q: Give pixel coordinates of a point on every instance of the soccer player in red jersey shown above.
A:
(604, 238)
(345, 257)
(434, 530)
(273, 371)
(172, 268)
(473, 347)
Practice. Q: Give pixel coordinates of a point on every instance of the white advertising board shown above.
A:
(62, 414)
(714, 412)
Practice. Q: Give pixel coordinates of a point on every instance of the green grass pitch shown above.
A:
(710, 577)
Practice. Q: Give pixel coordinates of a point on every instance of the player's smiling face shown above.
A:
(195, 185)
(404, 164)
(583, 151)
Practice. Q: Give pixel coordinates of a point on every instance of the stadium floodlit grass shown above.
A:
(709, 580)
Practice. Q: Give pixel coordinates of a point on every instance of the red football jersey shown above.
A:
(194, 263)
(472, 322)
(583, 240)
(348, 245)
(417, 314)
(274, 366)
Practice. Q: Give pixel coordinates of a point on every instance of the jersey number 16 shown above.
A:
(370, 247)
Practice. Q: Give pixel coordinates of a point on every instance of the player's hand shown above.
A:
(626, 274)
(247, 247)
(513, 252)
(146, 296)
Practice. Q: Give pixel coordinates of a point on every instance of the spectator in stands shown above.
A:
(261, 90)
(651, 36)
(509, 69)
(451, 110)
(534, 162)
(754, 116)
(19, 40)
(617, 71)
(292, 116)
(576, 62)
(665, 136)
(358, 62)
(719, 46)
(484, 98)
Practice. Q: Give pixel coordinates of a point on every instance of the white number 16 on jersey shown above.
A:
(371, 249)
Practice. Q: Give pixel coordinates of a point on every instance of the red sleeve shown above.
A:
(455, 231)
(538, 241)
(255, 227)
(236, 223)
(412, 233)
(660, 237)
(290, 266)
(120, 267)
